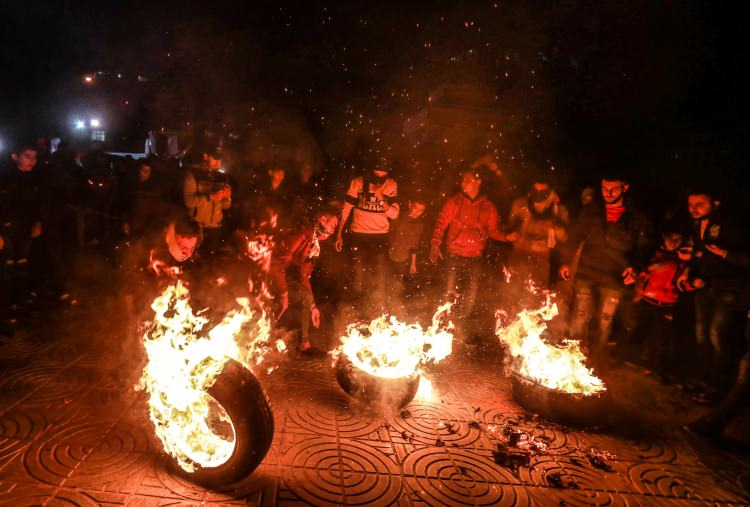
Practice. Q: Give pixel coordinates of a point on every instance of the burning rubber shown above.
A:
(208, 409)
(383, 362)
(373, 390)
(246, 405)
(573, 409)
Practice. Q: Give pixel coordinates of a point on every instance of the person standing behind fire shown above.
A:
(371, 199)
(652, 314)
(616, 242)
(207, 194)
(465, 223)
(540, 220)
(715, 243)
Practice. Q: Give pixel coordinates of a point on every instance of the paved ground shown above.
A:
(71, 436)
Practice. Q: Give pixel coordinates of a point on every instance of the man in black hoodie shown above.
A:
(20, 224)
(714, 270)
(616, 244)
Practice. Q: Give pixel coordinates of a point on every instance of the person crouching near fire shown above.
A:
(147, 267)
(292, 263)
(651, 317)
(465, 223)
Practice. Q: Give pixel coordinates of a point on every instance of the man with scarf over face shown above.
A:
(371, 199)
(616, 246)
(540, 220)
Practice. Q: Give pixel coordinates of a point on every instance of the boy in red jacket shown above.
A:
(656, 296)
(465, 223)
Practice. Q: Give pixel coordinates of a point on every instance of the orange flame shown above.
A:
(558, 367)
(184, 360)
(389, 348)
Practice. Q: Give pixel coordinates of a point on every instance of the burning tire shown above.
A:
(559, 406)
(372, 390)
(245, 403)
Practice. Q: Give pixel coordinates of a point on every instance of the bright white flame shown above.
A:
(558, 367)
(184, 360)
(389, 348)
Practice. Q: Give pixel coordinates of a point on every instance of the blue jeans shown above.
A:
(714, 311)
(592, 302)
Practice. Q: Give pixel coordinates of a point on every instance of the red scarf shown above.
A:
(614, 212)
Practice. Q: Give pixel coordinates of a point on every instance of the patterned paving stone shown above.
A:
(22, 495)
(680, 482)
(433, 424)
(456, 490)
(69, 437)
(10, 449)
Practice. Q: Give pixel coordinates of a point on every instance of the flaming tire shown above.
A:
(389, 392)
(565, 408)
(240, 394)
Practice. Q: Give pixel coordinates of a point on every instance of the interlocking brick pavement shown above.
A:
(71, 436)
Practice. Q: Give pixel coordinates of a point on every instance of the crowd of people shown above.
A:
(303, 245)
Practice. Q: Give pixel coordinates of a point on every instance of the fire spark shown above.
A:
(559, 367)
(183, 363)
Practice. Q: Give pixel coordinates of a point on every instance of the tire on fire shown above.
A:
(386, 392)
(240, 394)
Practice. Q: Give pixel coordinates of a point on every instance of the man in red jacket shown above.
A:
(299, 250)
(465, 223)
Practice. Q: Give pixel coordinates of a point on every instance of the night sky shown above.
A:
(649, 86)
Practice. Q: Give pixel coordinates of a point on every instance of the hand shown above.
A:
(36, 230)
(413, 268)
(283, 305)
(717, 251)
(565, 272)
(629, 275)
(315, 317)
(435, 254)
(512, 236)
(682, 282)
(224, 193)
(339, 243)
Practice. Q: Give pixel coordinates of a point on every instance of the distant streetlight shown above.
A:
(87, 79)
(80, 124)
(94, 122)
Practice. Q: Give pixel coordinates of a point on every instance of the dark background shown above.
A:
(653, 88)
